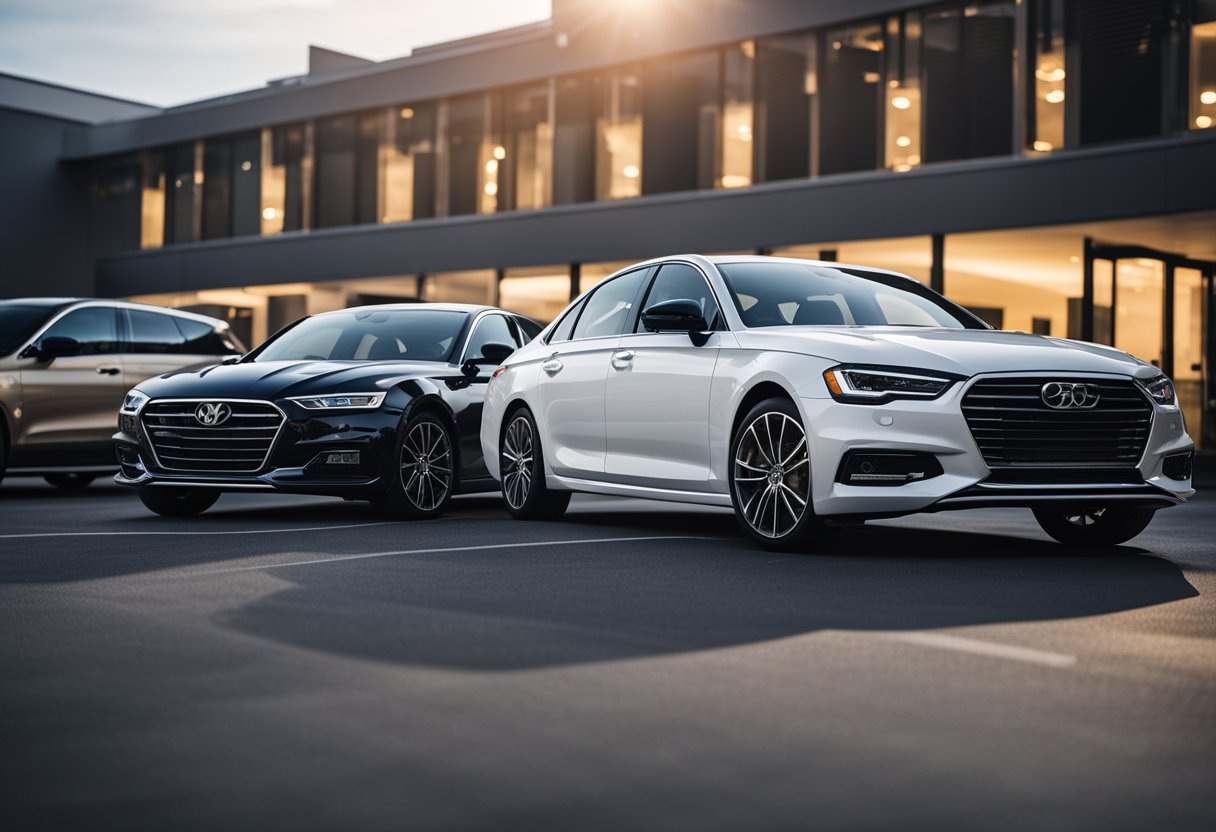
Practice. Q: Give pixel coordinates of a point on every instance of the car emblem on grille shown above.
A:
(1069, 395)
(212, 413)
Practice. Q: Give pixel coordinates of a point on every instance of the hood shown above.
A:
(964, 351)
(281, 379)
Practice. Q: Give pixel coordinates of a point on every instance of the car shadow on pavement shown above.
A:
(528, 608)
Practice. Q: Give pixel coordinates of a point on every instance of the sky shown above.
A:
(166, 52)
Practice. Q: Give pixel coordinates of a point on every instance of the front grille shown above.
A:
(241, 445)
(1013, 426)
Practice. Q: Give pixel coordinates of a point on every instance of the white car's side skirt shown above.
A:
(618, 490)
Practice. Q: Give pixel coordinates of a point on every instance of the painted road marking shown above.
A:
(197, 534)
(445, 549)
(945, 641)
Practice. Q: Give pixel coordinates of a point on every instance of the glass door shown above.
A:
(1190, 314)
(1139, 319)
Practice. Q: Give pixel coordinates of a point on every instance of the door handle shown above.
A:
(553, 366)
(621, 359)
(109, 370)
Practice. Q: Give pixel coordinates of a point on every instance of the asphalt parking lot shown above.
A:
(296, 663)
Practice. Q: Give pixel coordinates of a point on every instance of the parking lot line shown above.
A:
(446, 549)
(944, 641)
(196, 534)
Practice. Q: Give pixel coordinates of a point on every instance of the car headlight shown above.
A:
(1160, 388)
(876, 385)
(341, 401)
(134, 402)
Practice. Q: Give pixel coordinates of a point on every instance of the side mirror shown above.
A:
(679, 315)
(232, 359)
(52, 347)
(491, 353)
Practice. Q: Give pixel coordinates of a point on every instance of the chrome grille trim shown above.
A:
(1014, 428)
(241, 445)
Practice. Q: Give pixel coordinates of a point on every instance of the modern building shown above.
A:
(1050, 164)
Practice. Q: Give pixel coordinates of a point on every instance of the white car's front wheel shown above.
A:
(522, 464)
(1103, 526)
(771, 479)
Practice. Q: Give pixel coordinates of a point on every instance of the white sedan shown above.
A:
(808, 395)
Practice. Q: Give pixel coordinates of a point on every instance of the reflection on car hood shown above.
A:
(963, 351)
(280, 379)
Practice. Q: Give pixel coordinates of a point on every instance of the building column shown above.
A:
(576, 276)
(937, 267)
(1087, 290)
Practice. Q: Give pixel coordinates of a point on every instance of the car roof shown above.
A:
(470, 308)
(726, 259)
(41, 301)
(63, 303)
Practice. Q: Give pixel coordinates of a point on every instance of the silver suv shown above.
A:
(65, 366)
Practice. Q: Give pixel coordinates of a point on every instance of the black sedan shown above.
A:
(379, 403)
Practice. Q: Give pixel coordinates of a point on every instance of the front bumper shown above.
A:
(938, 427)
(296, 462)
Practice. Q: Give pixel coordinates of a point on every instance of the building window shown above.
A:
(618, 135)
(408, 163)
(786, 87)
(539, 293)
(849, 89)
(680, 113)
(347, 169)
(574, 140)
(1048, 59)
(1203, 67)
(287, 157)
(912, 256)
(461, 287)
(968, 79)
(114, 204)
(152, 199)
(183, 201)
(217, 189)
(1121, 72)
(474, 154)
(525, 175)
(738, 105)
(902, 88)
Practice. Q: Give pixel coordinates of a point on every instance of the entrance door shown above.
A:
(1159, 307)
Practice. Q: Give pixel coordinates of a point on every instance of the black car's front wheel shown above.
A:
(771, 479)
(426, 470)
(1101, 526)
(522, 468)
(178, 502)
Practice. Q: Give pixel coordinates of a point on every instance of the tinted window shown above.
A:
(95, 328)
(607, 310)
(369, 334)
(204, 339)
(565, 327)
(492, 329)
(530, 329)
(798, 294)
(152, 332)
(18, 323)
(679, 281)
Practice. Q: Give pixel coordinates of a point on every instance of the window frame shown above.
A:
(719, 320)
(481, 316)
(648, 273)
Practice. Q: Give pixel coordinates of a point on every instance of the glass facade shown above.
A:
(941, 82)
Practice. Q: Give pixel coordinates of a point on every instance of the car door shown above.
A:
(572, 377)
(490, 328)
(658, 390)
(70, 404)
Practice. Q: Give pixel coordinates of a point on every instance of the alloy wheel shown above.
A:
(426, 465)
(772, 474)
(517, 452)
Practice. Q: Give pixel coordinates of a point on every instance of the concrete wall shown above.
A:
(44, 212)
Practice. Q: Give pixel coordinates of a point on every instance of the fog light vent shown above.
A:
(886, 468)
(342, 458)
(1178, 466)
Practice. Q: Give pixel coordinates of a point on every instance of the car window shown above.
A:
(492, 329)
(607, 310)
(205, 339)
(95, 328)
(153, 333)
(19, 322)
(369, 335)
(530, 329)
(565, 327)
(678, 281)
(790, 293)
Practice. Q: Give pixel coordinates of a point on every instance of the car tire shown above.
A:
(772, 497)
(70, 482)
(425, 475)
(178, 502)
(1105, 526)
(525, 493)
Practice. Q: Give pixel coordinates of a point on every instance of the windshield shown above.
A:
(803, 294)
(369, 335)
(18, 322)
